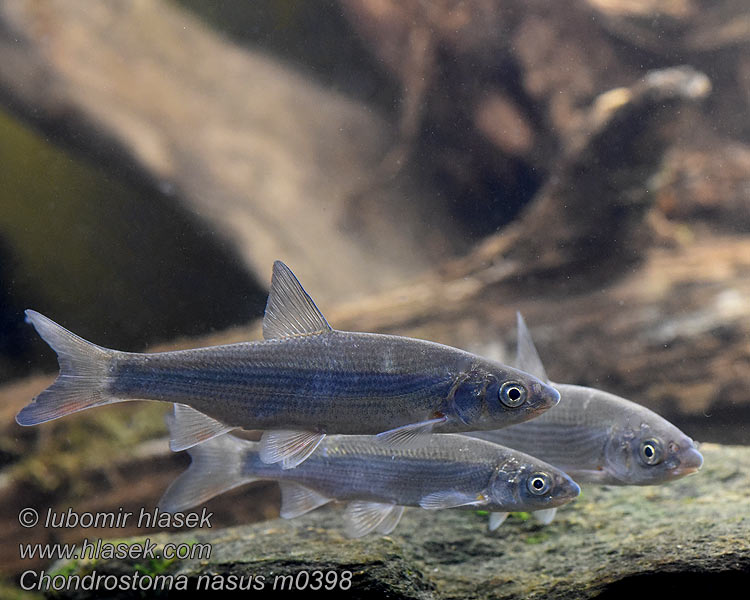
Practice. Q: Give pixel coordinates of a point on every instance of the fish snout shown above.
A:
(690, 461)
(548, 397)
(570, 489)
(565, 489)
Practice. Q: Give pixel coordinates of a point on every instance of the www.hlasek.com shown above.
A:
(147, 552)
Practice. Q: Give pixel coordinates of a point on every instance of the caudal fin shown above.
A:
(216, 468)
(82, 382)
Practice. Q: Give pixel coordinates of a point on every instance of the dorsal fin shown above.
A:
(290, 310)
(527, 358)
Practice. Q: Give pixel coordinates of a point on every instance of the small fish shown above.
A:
(448, 471)
(597, 437)
(303, 381)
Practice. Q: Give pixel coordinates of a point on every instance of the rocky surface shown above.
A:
(630, 262)
(689, 536)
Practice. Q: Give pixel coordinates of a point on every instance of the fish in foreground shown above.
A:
(448, 471)
(303, 381)
(597, 437)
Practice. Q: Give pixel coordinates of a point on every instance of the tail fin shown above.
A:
(82, 382)
(216, 468)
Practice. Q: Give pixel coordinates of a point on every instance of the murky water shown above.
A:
(427, 169)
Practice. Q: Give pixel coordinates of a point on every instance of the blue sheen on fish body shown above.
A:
(448, 471)
(598, 437)
(268, 384)
(304, 381)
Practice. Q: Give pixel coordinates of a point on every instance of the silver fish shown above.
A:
(597, 437)
(448, 471)
(303, 381)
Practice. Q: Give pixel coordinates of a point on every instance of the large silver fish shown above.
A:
(305, 380)
(448, 471)
(597, 437)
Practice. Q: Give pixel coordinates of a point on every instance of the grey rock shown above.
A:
(690, 535)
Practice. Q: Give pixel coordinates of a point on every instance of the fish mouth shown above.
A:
(690, 462)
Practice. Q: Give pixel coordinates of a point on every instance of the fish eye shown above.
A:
(651, 452)
(512, 394)
(538, 483)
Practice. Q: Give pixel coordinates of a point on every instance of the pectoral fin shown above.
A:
(414, 435)
(297, 500)
(600, 476)
(289, 447)
(497, 519)
(188, 427)
(451, 499)
(545, 515)
(362, 517)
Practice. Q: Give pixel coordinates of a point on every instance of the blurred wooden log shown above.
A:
(584, 226)
(613, 302)
(672, 334)
(707, 187)
(664, 322)
(277, 164)
(509, 83)
(711, 35)
(538, 61)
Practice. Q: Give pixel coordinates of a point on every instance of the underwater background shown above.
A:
(426, 169)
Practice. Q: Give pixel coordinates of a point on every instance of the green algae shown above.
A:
(92, 440)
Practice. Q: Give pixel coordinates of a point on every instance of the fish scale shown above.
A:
(304, 381)
(560, 444)
(449, 471)
(349, 468)
(598, 437)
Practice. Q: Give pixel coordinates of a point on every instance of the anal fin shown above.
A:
(289, 447)
(362, 517)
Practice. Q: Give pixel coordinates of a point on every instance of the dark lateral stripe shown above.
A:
(352, 475)
(144, 381)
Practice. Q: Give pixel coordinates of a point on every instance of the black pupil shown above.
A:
(538, 483)
(648, 451)
(514, 393)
